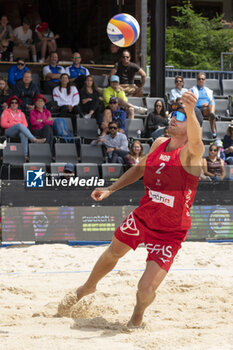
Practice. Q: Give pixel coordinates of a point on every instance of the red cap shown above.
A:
(39, 96)
(13, 98)
(42, 27)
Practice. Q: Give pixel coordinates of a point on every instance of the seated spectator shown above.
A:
(205, 102)
(114, 90)
(45, 39)
(116, 144)
(6, 31)
(4, 94)
(68, 171)
(4, 51)
(66, 96)
(52, 73)
(90, 100)
(41, 120)
(136, 153)
(179, 90)
(213, 166)
(26, 90)
(23, 37)
(16, 72)
(113, 113)
(14, 122)
(228, 144)
(156, 120)
(77, 72)
(126, 70)
(112, 56)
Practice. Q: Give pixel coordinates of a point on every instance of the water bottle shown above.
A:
(228, 113)
(139, 133)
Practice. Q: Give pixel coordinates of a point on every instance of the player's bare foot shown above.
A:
(83, 291)
(136, 319)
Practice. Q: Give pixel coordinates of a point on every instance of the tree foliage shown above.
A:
(195, 42)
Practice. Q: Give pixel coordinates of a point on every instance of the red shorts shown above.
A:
(162, 247)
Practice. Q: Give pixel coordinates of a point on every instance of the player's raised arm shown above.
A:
(192, 153)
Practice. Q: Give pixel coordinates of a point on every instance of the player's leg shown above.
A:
(106, 262)
(149, 282)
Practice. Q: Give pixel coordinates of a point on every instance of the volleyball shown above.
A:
(123, 30)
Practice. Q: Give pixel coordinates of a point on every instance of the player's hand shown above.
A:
(189, 101)
(100, 193)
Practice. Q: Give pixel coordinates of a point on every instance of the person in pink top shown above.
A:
(14, 122)
(41, 120)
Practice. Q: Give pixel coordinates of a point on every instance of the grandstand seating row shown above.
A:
(13, 155)
(220, 88)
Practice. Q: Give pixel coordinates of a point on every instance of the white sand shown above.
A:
(193, 308)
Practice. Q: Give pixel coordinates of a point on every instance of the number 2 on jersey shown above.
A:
(161, 166)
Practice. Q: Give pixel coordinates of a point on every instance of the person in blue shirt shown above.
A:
(52, 73)
(77, 72)
(16, 72)
(205, 102)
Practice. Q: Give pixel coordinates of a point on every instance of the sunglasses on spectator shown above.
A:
(20, 64)
(112, 127)
(180, 117)
(77, 57)
(158, 106)
(5, 46)
(14, 102)
(179, 81)
(112, 102)
(125, 56)
(213, 150)
(201, 79)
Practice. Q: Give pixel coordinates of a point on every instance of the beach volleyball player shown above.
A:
(170, 174)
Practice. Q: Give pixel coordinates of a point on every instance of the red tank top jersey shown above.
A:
(169, 192)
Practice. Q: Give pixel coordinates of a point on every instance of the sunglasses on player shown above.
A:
(179, 116)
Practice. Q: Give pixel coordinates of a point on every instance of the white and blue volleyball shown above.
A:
(123, 30)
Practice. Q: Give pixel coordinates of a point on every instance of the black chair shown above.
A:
(214, 85)
(227, 87)
(206, 132)
(13, 156)
(33, 166)
(112, 171)
(87, 170)
(101, 80)
(87, 129)
(146, 148)
(221, 127)
(222, 105)
(39, 153)
(66, 152)
(91, 153)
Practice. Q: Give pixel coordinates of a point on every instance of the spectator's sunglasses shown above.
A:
(180, 117)
(20, 64)
(113, 127)
(112, 102)
(14, 102)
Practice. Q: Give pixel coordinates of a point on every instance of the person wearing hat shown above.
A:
(113, 113)
(14, 122)
(228, 144)
(16, 72)
(41, 120)
(26, 90)
(68, 171)
(45, 39)
(116, 91)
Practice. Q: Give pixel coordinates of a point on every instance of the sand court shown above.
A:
(193, 308)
